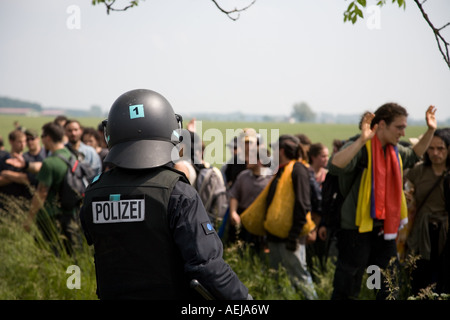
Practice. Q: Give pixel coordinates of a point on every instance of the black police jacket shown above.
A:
(151, 236)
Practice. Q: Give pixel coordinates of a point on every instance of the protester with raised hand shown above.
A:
(368, 232)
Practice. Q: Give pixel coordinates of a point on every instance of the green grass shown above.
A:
(30, 270)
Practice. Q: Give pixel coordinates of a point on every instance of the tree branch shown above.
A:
(443, 45)
(110, 3)
(446, 25)
(229, 13)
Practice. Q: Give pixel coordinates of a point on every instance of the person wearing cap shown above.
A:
(248, 185)
(242, 145)
(151, 234)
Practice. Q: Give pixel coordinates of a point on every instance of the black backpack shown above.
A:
(76, 180)
(333, 198)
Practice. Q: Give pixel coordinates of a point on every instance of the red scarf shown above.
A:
(387, 187)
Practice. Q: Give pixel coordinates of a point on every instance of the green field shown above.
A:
(324, 133)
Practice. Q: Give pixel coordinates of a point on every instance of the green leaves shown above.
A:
(355, 9)
(362, 2)
(401, 3)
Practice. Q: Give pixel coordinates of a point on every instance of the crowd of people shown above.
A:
(396, 195)
(32, 172)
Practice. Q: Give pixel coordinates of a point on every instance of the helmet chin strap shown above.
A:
(180, 126)
(105, 133)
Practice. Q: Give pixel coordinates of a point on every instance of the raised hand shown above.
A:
(430, 117)
(367, 132)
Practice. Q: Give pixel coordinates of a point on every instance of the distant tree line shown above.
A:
(94, 110)
(14, 103)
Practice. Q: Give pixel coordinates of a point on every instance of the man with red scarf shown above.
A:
(370, 239)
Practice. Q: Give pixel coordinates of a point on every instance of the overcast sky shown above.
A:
(278, 53)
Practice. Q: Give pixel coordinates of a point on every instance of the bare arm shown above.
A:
(14, 176)
(342, 158)
(234, 216)
(421, 147)
(4, 180)
(19, 162)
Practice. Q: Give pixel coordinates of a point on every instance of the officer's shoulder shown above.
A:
(182, 188)
(95, 179)
(102, 175)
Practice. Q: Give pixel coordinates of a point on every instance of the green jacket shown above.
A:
(52, 175)
(350, 179)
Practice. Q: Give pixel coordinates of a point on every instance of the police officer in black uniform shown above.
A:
(150, 231)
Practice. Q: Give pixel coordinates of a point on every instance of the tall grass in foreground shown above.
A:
(269, 284)
(30, 269)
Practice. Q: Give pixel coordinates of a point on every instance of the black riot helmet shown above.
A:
(142, 130)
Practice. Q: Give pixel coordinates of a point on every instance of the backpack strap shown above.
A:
(74, 152)
(67, 162)
(202, 187)
(205, 178)
(431, 190)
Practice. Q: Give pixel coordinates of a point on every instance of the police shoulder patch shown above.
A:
(208, 227)
(96, 178)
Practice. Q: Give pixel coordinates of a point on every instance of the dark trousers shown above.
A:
(427, 271)
(443, 285)
(357, 251)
